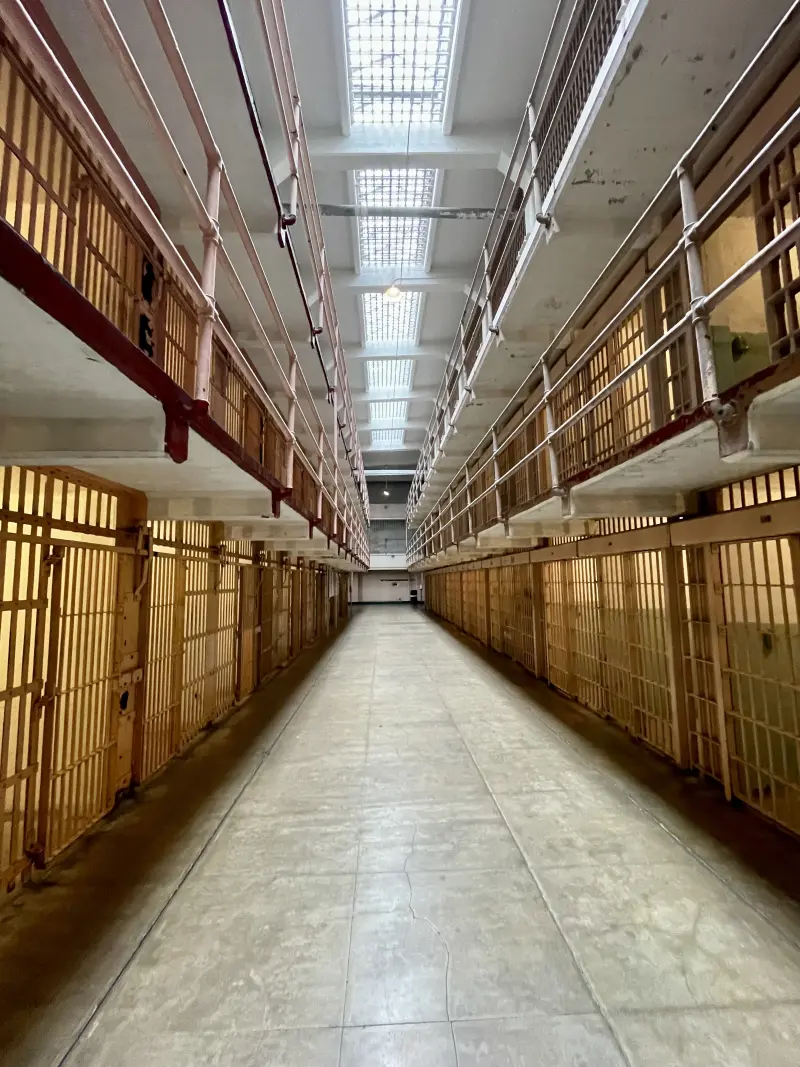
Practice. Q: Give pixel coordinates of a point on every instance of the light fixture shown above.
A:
(386, 487)
(394, 292)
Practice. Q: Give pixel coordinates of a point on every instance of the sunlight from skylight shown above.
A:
(399, 54)
(388, 411)
(388, 438)
(391, 320)
(389, 242)
(388, 375)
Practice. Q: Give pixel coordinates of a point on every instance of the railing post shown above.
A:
(550, 425)
(498, 502)
(290, 218)
(450, 522)
(320, 467)
(290, 421)
(697, 293)
(211, 240)
(486, 320)
(469, 502)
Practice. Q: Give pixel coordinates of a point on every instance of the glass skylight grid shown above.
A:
(388, 410)
(391, 320)
(388, 438)
(399, 55)
(394, 242)
(386, 374)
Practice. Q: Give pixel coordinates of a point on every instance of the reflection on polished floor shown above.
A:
(402, 853)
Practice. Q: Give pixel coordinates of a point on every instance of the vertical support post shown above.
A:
(205, 343)
(469, 500)
(54, 562)
(290, 421)
(216, 535)
(450, 525)
(176, 650)
(719, 652)
(534, 204)
(320, 467)
(487, 599)
(487, 295)
(551, 427)
(677, 681)
(290, 218)
(697, 292)
(539, 623)
(128, 662)
(498, 500)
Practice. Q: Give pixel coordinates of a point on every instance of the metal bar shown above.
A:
(694, 271)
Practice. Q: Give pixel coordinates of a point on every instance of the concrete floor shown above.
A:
(404, 853)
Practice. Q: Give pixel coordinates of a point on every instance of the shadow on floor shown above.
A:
(729, 837)
(68, 935)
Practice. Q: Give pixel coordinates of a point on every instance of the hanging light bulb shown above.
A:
(386, 487)
(394, 292)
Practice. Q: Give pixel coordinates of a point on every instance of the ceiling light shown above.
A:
(394, 292)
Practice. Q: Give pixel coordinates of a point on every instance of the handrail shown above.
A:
(273, 26)
(525, 163)
(437, 528)
(201, 293)
(665, 200)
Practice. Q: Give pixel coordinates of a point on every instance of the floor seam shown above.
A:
(569, 744)
(601, 1008)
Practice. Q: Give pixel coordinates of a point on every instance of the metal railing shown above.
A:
(86, 206)
(541, 145)
(653, 361)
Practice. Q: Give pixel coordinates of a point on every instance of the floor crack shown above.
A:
(443, 940)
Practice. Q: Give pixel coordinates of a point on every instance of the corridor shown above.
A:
(396, 855)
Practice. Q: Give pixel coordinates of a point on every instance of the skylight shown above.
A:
(390, 242)
(388, 411)
(391, 320)
(388, 438)
(384, 375)
(399, 55)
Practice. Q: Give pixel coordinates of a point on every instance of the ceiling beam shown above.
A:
(391, 146)
(393, 424)
(377, 280)
(425, 353)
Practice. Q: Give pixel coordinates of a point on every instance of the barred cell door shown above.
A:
(246, 681)
(267, 612)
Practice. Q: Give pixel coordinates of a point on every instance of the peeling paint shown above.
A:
(698, 58)
(616, 200)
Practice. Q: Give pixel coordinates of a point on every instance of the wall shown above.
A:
(381, 587)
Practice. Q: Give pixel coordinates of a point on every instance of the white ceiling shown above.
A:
(494, 63)
(493, 66)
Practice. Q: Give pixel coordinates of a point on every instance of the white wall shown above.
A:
(381, 587)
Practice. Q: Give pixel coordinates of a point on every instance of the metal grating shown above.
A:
(385, 374)
(399, 54)
(394, 242)
(391, 320)
(388, 411)
(388, 438)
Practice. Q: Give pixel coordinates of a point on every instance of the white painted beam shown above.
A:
(378, 280)
(428, 353)
(62, 442)
(391, 146)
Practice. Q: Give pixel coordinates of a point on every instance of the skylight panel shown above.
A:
(388, 438)
(390, 242)
(384, 375)
(388, 411)
(391, 321)
(399, 55)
